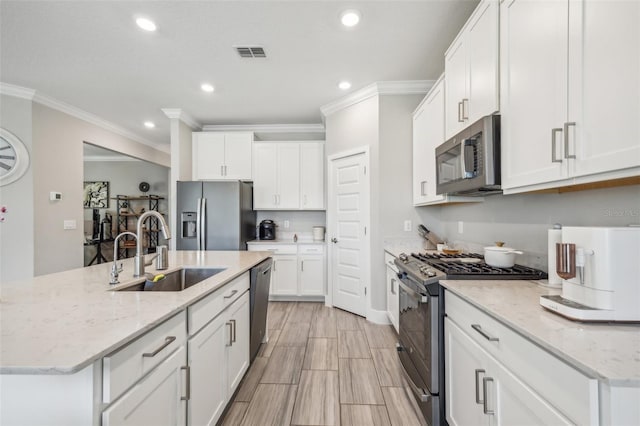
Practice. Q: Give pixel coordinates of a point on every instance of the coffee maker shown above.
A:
(600, 271)
(267, 230)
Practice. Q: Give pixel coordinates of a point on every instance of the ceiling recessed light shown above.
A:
(207, 87)
(344, 85)
(149, 124)
(350, 18)
(146, 24)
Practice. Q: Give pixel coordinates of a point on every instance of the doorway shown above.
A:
(349, 239)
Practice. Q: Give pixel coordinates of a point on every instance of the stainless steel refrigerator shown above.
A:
(215, 215)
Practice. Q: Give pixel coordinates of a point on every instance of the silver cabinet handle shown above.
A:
(274, 265)
(302, 265)
(167, 341)
(221, 170)
(478, 400)
(554, 132)
(460, 119)
(225, 170)
(230, 333)
(465, 116)
(566, 140)
(422, 188)
(233, 329)
(486, 380)
(483, 333)
(393, 291)
(231, 295)
(188, 385)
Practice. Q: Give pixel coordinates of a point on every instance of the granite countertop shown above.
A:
(62, 322)
(300, 241)
(609, 352)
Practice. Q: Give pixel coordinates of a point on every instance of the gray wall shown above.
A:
(522, 220)
(300, 222)
(16, 232)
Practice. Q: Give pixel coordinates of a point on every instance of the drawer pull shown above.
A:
(478, 400)
(167, 342)
(231, 295)
(187, 397)
(230, 334)
(484, 334)
(233, 329)
(486, 380)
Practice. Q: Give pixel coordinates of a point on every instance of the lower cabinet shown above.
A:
(237, 361)
(393, 301)
(284, 275)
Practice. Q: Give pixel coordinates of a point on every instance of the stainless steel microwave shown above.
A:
(469, 163)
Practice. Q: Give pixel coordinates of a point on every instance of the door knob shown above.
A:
(334, 240)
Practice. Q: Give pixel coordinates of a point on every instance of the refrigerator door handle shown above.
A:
(198, 223)
(203, 231)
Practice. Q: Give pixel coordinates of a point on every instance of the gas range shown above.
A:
(425, 267)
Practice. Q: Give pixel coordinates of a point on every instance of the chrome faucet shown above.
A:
(115, 270)
(138, 262)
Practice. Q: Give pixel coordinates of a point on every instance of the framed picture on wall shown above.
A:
(96, 195)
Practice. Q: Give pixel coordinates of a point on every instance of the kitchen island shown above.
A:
(57, 331)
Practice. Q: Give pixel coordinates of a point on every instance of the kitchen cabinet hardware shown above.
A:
(465, 107)
(486, 410)
(233, 329)
(233, 293)
(187, 397)
(478, 328)
(566, 139)
(554, 149)
(230, 334)
(477, 374)
(460, 118)
(167, 341)
(423, 192)
(393, 290)
(302, 265)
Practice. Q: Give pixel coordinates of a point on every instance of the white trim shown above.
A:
(17, 91)
(98, 158)
(182, 116)
(409, 87)
(378, 317)
(366, 265)
(266, 128)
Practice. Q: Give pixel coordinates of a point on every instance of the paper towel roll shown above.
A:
(555, 236)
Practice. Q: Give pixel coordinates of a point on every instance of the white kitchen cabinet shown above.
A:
(237, 357)
(312, 268)
(428, 133)
(288, 175)
(569, 128)
(393, 298)
(312, 175)
(158, 399)
(284, 275)
(222, 155)
(471, 67)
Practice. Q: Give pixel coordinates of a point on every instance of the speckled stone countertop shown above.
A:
(287, 241)
(396, 246)
(62, 322)
(609, 352)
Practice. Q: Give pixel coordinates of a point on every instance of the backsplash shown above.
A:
(300, 222)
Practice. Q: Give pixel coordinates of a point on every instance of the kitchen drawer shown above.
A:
(388, 260)
(125, 366)
(571, 392)
(311, 249)
(200, 313)
(275, 248)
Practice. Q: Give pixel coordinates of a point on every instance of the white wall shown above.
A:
(16, 232)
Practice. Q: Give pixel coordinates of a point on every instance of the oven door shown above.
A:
(419, 316)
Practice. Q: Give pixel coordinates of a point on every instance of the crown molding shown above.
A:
(17, 91)
(182, 116)
(408, 87)
(266, 128)
(99, 158)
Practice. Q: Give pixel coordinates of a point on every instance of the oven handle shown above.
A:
(420, 298)
(422, 397)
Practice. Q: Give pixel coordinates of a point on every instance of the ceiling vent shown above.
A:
(251, 52)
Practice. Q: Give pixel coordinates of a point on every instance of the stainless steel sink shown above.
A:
(176, 280)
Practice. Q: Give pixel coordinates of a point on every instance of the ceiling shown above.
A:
(91, 55)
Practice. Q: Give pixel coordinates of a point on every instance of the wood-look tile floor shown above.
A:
(324, 366)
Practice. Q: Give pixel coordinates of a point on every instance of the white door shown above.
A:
(312, 175)
(238, 345)
(208, 155)
(348, 221)
(311, 275)
(237, 155)
(265, 175)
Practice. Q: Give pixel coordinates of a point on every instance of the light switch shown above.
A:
(70, 224)
(407, 225)
(460, 227)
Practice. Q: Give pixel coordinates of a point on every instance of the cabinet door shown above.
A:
(604, 46)
(311, 275)
(208, 379)
(265, 175)
(465, 367)
(455, 66)
(154, 401)
(393, 303)
(481, 38)
(238, 351)
(533, 90)
(312, 175)
(208, 155)
(237, 155)
(288, 176)
(285, 279)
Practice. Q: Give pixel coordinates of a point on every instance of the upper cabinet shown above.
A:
(222, 155)
(288, 176)
(471, 67)
(570, 103)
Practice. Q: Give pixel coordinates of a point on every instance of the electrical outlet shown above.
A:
(69, 224)
(286, 224)
(460, 227)
(407, 225)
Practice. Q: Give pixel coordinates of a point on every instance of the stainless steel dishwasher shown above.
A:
(259, 300)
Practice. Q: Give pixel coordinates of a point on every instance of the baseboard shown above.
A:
(378, 317)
